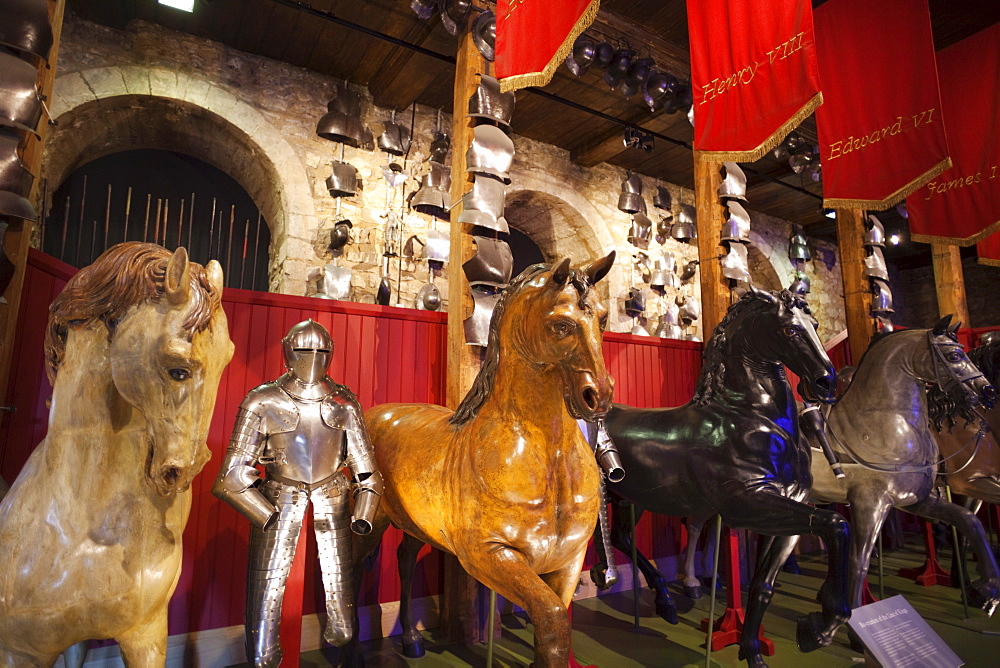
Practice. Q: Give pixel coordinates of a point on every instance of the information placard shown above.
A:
(897, 636)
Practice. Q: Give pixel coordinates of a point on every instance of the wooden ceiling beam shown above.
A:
(668, 56)
(609, 144)
(383, 57)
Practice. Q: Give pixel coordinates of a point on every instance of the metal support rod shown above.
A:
(145, 225)
(256, 247)
(128, 209)
(715, 582)
(490, 617)
(93, 242)
(959, 559)
(62, 243)
(881, 570)
(180, 225)
(635, 571)
(211, 233)
(166, 222)
(79, 231)
(190, 223)
(243, 263)
(156, 225)
(229, 242)
(107, 217)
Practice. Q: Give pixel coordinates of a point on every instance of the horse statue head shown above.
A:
(775, 328)
(159, 320)
(551, 318)
(952, 372)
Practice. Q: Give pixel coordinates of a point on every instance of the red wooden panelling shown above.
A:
(384, 354)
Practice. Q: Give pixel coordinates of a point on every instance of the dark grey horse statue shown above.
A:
(734, 450)
(880, 430)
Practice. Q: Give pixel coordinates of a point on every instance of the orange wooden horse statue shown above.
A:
(90, 531)
(508, 483)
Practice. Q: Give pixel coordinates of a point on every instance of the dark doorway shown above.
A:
(163, 197)
(525, 251)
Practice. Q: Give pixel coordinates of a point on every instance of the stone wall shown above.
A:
(915, 299)
(255, 119)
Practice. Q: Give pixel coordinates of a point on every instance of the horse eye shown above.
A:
(791, 331)
(179, 374)
(561, 329)
(955, 357)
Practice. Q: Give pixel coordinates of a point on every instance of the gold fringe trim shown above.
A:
(773, 140)
(958, 241)
(989, 262)
(543, 78)
(893, 199)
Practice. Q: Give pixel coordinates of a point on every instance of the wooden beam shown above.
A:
(609, 144)
(668, 56)
(857, 293)
(715, 294)
(18, 237)
(459, 613)
(949, 282)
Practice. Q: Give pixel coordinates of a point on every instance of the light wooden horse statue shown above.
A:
(90, 531)
(508, 483)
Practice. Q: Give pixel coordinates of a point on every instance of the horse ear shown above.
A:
(598, 269)
(763, 294)
(561, 274)
(213, 271)
(953, 330)
(177, 282)
(942, 325)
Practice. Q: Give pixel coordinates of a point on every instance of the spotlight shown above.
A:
(830, 213)
(636, 138)
(183, 5)
(894, 239)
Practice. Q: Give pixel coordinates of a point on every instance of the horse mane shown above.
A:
(483, 384)
(714, 366)
(124, 276)
(945, 411)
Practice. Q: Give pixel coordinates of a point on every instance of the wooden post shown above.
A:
(949, 281)
(459, 612)
(18, 236)
(715, 294)
(857, 294)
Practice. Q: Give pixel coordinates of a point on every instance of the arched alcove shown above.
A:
(553, 224)
(110, 110)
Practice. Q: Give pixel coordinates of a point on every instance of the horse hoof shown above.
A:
(754, 660)
(597, 575)
(854, 641)
(413, 649)
(984, 596)
(667, 612)
(692, 592)
(809, 634)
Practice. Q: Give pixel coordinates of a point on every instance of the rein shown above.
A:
(903, 468)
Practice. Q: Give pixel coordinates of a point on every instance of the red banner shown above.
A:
(880, 127)
(962, 205)
(535, 36)
(753, 74)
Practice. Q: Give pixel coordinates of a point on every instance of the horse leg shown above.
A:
(867, 516)
(506, 571)
(146, 644)
(959, 551)
(692, 585)
(770, 514)
(406, 558)
(351, 655)
(985, 592)
(621, 538)
(769, 562)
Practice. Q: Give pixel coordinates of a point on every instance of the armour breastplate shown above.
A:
(310, 452)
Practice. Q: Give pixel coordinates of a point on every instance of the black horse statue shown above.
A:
(734, 450)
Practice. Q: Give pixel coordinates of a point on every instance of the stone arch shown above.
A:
(557, 227)
(110, 109)
(770, 267)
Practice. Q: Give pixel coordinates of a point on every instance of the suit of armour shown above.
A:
(304, 429)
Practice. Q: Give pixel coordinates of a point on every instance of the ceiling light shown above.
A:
(830, 213)
(894, 239)
(183, 5)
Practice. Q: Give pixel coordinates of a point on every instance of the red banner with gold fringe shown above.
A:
(962, 205)
(534, 37)
(753, 74)
(880, 127)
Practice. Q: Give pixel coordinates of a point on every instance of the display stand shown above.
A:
(931, 573)
(728, 628)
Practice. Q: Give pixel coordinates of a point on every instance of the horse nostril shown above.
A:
(590, 398)
(824, 384)
(990, 396)
(171, 475)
